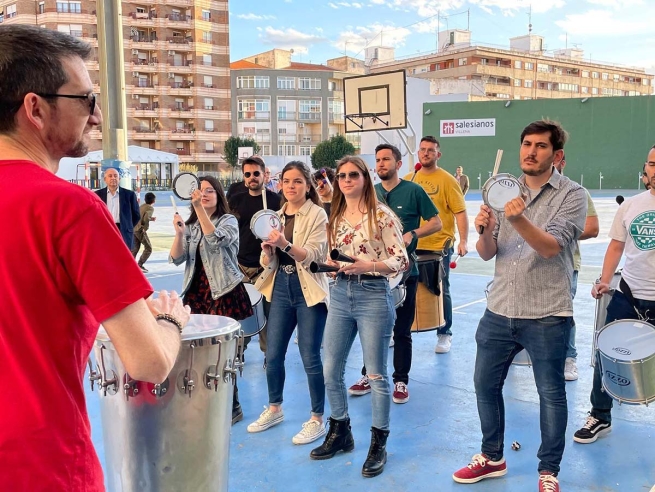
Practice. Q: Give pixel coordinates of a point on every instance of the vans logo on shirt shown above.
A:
(642, 230)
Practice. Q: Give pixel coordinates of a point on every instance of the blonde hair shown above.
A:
(339, 201)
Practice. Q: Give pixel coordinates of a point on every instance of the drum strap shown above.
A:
(625, 288)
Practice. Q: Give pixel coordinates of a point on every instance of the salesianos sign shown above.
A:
(484, 127)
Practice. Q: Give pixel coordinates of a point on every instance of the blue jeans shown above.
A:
(498, 340)
(445, 295)
(618, 308)
(570, 347)
(366, 307)
(288, 308)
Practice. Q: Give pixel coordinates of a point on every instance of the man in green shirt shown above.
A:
(590, 230)
(410, 203)
(141, 231)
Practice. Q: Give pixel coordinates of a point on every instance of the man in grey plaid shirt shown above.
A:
(530, 304)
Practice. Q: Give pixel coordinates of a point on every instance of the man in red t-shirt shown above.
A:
(64, 269)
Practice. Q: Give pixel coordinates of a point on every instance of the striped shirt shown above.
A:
(527, 285)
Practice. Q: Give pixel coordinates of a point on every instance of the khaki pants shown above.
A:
(250, 275)
(141, 237)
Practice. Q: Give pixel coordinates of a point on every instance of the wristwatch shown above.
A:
(414, 235)
(288, 247)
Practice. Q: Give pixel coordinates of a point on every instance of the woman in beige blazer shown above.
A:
(297, 297)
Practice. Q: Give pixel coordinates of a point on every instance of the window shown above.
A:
(64, 6)
(253, 82)
(594, 75)
(209, 125)
(305, 83)
(287, 83)
(310, 109)
(266, 149)
(206, 15)
(306, 150)
(604, 76)
(594, 91)
(568, 87)
(41, 7)
(209, 103)
(11, 11)
(206, 37)
(209, 147)
(484, 61)
(517, 82)
(615, 77)
(585, 90)
(207, 81)
(542, 67)
(286, 109)
(286, 150)
(529, 83)
(585, 74)
(462, 62)
(502, 96)
(206, 59)
(645, 82)
(529, 66)
(517, 64)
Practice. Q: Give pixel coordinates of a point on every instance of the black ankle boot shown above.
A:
(339, 438)
(237, 412)
(377, 453)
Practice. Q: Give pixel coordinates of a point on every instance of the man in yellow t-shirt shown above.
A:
(445, 192)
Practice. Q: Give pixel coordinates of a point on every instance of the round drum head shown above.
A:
(627, 340)
(395, 281)
(185, 184)
(253, 293)
(500, 189)
(264, 222)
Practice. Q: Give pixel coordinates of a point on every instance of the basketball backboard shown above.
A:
(244, 152)
(375, 102)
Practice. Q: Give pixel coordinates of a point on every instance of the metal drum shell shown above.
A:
(494, 180)
(177, 440)
(628, 380)
(254, 324)
(601, 312)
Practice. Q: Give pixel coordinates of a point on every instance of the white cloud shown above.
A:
(355, 40)
(428, 26)
(290, 39)
(512, 7)
(604, 23)
(255, 17)
(334, 6)
(617, 4)
(357, 5)
(378, 2)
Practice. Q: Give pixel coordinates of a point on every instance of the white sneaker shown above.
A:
(443, 344)
(266, 420)
(570, 369)
(311, 430)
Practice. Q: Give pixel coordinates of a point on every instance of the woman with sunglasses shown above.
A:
(208, 242)
(361, 302)
(297, 297)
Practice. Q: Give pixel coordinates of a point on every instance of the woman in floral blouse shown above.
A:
(360, 302)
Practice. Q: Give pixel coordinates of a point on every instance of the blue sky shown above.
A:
(616, 31)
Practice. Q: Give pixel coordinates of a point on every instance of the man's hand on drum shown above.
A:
(485, 218)
(359, 267)
(597, 290)
(169, 304)
(515, 208)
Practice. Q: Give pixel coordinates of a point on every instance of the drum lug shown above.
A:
(212, 371)
(229, 372)
(160, 389)
(130, 387)
(106, 385)
(188, 384)
(238, 357)
(93, 374)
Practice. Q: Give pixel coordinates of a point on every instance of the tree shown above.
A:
(231, 149)
(328, 152)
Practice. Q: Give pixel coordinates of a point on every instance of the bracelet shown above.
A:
(170, 319)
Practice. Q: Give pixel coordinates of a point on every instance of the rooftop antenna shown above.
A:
(530, 20)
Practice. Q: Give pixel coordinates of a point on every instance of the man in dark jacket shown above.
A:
(122, 205)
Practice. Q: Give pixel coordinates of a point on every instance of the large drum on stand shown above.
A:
(175, 435)
(601, 313)
(429, 313)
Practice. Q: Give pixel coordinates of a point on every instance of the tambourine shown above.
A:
(500, 189)
(264, 222)
(184, 184)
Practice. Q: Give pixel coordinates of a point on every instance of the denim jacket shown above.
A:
(218, 252)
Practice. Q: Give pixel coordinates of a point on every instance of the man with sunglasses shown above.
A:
(64, 269)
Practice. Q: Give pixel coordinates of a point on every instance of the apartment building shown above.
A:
(524, 71)
(177, 76)
(287, 107)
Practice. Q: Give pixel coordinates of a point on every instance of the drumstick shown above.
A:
(453, 264)
(499, 156)
(179, 222)
(264, 198)
(327, 181)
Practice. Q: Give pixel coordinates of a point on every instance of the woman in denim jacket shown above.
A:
(297, 296)
(209, 243)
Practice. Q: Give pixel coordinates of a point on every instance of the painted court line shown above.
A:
(484, 299)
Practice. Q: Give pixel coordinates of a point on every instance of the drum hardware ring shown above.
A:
(130, 387)
(110, 385)
(238, 358)
(188, 385)
(93, 374)
(160, 389)
(212, 371)
(229, 372)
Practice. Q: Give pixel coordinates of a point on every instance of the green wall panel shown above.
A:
(608, 135)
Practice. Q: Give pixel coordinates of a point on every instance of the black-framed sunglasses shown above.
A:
(351, 175)
(90, 97)
(256, 174)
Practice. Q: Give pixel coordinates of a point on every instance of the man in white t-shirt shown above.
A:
(632, 234)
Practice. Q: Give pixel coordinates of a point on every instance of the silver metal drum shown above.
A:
(601, 312)
(522, 359)
(255, 323)
(626, 350)
(175, 435)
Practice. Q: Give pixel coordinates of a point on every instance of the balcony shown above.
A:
(310, 117)
(180, 85)
(179, 63)
(254, 115)
(143, 83)
(284, 116)
(144, 39)
(257, 137)
(336, 117)
(178, 17)
(180, 107)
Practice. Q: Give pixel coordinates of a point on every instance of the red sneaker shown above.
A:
(400, 393)
(479, 468)
(548, 482)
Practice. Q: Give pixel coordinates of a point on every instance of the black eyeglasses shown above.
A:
(256, 174)
(90, 97)
(351, 175)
